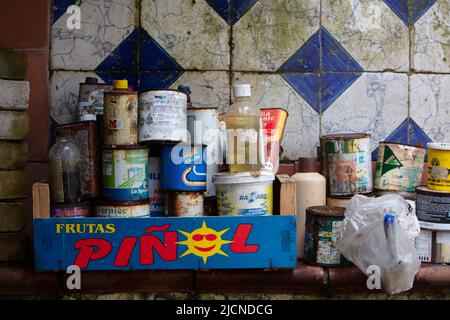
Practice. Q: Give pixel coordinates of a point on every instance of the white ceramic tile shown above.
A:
(432, 39)
(375, 103)
(104, 25)
(370, 31)
(301, 135)
(271, 31)
(210, 89)
(190, 31)
(430, 105)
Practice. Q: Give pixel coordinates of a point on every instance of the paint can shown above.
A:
(90, 99)
(347, 163)
(78, 210)
(185, 204)
(183, 168)
(244, 194)
(438, 166)
(433, 208)
(399, 167)
(343, 201)
(433, 246)
(162, 116)
(322, 233)
(404, 194)
(156, 195)
(125, 173)
(120, 117)
(122, 209)
(203, 126)
(85, 135)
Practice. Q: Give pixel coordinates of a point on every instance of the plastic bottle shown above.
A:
(311, 191)
(65, 174)
(243, 122)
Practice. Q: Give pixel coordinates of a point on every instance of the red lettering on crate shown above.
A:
(167, 250)
(125, 250)
(91, 249)
(240, 238)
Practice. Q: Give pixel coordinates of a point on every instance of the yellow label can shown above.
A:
(438, 166)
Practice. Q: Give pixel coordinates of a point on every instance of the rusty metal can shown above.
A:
(322, 233)
(399, 167)
(343, 201)
(162, 116)
(120, 118)
(433, 208)
(185, 204)
(78, 210)
(85, 135)
(347, 163)
(122, 209)
(90, 99)
(433, 246)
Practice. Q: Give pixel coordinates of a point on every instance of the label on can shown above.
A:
(423, 244)
(130, 211)
(328, 237)
(162, 116)
(120, 119)
(125, 174)
(349, 166)
(154, 188)
(433, 208)
(442, 247)
(399, 167)
(245, 200)
(71, 211)
(90, 98)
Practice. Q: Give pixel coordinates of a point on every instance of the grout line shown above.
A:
(231, 48)
(320, 69)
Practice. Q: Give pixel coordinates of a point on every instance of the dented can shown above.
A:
(125, 173)
(122, 209)
(157, 199)
(433, 246)
(399, 167)
(120, 118)
(347, 163)
(78, 210)
(90, 99)
(86, 137)
(322, 234)
(185, 204)
(162, 116)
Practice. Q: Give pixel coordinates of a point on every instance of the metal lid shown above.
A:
(402, 144)
(438, 145)
(326, 211)
(345, 136)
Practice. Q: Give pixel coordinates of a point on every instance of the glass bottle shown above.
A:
(243, 122)
(65, 173)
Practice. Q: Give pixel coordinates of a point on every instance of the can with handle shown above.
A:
(347, 163)
(162, 116)
(125, 173)
(120, 115)
(438, 166)
(122, 209)
(399, 167)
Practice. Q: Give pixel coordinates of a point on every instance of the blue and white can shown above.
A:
(183, 168)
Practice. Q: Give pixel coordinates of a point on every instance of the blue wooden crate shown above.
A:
(165, 243)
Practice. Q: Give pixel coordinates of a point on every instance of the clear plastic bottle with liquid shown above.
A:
(243, 122)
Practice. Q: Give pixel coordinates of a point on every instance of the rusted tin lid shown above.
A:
(122, 203)
(326, 211)
(402, 144)
(345, 136)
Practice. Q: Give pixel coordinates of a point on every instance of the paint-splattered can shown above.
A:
(322, 233)
(343, 201)
(438, 166)
(78, 210)
(183, 168)
(346, 163)
(156, 195)
(185, 204)
(399, 167)
(203, 126)
(162, 116)
(433, 246)
(90, 99)
(125, 173)
(120, 116)
(85, 135)
(122, 209)
(433, 208)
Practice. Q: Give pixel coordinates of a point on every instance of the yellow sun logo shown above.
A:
(204, 242)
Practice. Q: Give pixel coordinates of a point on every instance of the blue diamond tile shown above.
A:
(307, 85)
(231, 10)
(334, 56)
(124, 57)
(408, 132)
(60, 7)
(334, 84)
(153, 56)
(158, 79)
(108, 77)
(307, 58)
(409, 11)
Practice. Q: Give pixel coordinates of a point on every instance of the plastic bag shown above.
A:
(381, 232)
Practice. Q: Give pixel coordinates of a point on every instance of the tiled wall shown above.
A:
(381, 67)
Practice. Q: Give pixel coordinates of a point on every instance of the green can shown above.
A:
(125, 173)
(322, 233)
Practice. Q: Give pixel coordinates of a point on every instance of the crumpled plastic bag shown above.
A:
(381, 232)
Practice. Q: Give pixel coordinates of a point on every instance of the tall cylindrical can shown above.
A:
(156, 194)
(183, 168)
(162, 116)
(438, 166)
(90, 99)
(399, 167)
(347, 163)
(185, 204)
(120, 118)
(125, 173)
(203, 126)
